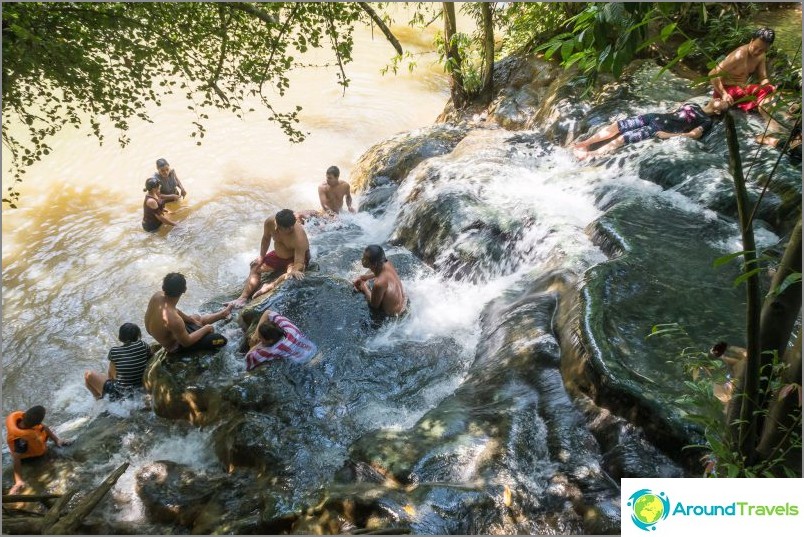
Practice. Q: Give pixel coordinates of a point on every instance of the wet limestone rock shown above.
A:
(391, 160)
(173, 492)
(181, 388)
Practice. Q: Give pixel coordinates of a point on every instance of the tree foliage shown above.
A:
(81, 63)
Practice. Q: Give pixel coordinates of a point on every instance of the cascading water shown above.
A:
(464, 416)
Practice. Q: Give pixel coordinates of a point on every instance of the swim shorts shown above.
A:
(207, 343)
(280, 264)
(638, 128)
(752, 93)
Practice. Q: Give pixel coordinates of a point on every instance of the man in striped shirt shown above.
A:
(276, 337)
(126, 366)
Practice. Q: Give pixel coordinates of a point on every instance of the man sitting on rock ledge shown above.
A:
(175, 330)
(386, 295)
(291, 255)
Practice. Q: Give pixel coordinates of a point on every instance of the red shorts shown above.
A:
(752, 95)
(280, 264)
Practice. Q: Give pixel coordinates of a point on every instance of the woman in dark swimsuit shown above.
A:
(153, 207)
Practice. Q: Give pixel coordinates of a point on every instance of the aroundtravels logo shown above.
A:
(647, 508)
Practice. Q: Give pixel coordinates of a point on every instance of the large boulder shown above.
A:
(391, 160)
(181, 386)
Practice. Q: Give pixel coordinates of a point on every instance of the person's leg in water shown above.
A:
(94, 382)
(609, 131)
(210, 318)
(609, 147)
(252, 283)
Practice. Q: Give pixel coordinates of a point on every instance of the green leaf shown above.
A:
(720, 261)
(685, 47)
(667, 31)
(791, 279)
(746, 275)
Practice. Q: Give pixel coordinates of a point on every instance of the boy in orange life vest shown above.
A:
(27, 437)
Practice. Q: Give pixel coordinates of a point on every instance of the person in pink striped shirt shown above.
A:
(276, 338)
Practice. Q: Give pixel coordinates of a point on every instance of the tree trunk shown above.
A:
(385, 30)
(779, 313)
(785, 416)
(744, 405)
(486, 90)
(454, 63)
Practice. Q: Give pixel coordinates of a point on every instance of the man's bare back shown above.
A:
(159, 317)
(393, 298)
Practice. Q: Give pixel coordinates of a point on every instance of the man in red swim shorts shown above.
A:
(730, 76)
(290, 256)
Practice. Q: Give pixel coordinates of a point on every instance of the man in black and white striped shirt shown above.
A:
(126, 366)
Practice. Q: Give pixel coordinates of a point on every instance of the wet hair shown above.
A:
(33, 416)
(333, 170)
(161, 162)
(285, 218)
(174, 284)
(129, 333)
(766, 34)
(719, 348)
(151, 183)
(270, 332)
(376, 255)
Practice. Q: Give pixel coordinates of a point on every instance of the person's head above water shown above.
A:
(373, 256)
(333, 174)
(285, 219)
(163, 167)
(129, 333)
(174, 285)
(270, 334)
(761, 40)
(33, 416)
(151, 183)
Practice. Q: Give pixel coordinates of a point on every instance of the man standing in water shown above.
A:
(290, 256)
(175, 330)
(387, 294)
(730, 76)
(331, 193)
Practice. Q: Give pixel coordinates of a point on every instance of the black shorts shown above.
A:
(151, 228)
(207, 343)
(116, 391)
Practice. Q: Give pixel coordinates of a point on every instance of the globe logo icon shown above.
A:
(648, 508)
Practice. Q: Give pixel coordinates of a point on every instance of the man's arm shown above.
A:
(349, 197)
(300, 247)
(762, 72)
(724, 67)
(178, 183)
(267, 231)
(377, 294)
(50, 434)
(179, 331)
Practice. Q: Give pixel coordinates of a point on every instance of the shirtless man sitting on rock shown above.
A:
(290, 256)
(175, 330)
(730, 76)
(387, 294)
(331, 193)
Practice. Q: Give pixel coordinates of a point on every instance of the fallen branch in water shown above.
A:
(13, 498)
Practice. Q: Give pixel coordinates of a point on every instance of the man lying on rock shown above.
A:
(690, 120)
(291, 255)
(175, 330)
